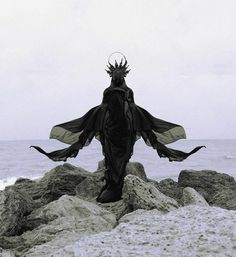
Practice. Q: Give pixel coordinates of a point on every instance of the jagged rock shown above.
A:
(101, 165)
(11, 242)
(6, 253)
(132, 168)
(225, 198)
(36, 220)
(14, 206)
(60, 222)
(70, 180)
(59, 181)
(136, 169)
(208, 183)
(62, 180)
(141, 195)
(119, 208)
(67, 207)
(191, 196)
(90, 187)
(130, 217)
(170, 188)
(188, 231)
(67, 220)
(153, 182)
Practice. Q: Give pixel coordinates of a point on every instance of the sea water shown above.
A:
(18, 160)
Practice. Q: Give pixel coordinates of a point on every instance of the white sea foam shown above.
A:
(7, 182)
(10, 181)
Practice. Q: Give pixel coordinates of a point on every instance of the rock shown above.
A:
(59, 181)
(14, 206)
(45, 218)
(141, 195)
(10, 243)
(67, 207)
(119, 208)
(61, 222)
(89, 188)
(191, 196)
(206, 182)
(130, 217)
(62, 180)
(101, 165)
(6, 253)
(170, 188)
(188, 231)
(153, 182)
(29, 187)
(22, 182)
(136, 169)
(132, 168)
(225, 198)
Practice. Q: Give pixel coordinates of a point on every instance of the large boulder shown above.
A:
(14, 206)
(141, 195)
(188, 231)
(71, 207)
(70, 180)
(90, 188)
(59, 223)
(119, 208)
(92, 185)
(59, 181)
(207, 182)
(132, 168)
(54, 215)
(136, 169)
(62, 180)
(225, 198)
(170, 188)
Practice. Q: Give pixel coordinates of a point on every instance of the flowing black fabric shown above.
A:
(117, 122)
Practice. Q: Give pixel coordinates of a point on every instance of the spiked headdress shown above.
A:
(123, 68)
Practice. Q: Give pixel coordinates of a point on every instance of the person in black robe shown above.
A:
(117, 123)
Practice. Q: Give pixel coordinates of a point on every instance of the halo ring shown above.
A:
(115, 53)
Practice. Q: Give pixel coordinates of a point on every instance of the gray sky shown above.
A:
(182, 55)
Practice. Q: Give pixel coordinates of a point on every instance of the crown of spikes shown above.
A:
(121, 67)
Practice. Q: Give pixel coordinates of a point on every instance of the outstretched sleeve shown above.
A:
(157, 133)
(163, 151)
(78, 133)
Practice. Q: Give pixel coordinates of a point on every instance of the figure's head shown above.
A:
(118, 71)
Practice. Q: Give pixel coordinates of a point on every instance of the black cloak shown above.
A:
(97, 123)
(117, 123)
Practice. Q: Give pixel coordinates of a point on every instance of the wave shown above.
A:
(231, 157)
(11, 180)
(7, 182)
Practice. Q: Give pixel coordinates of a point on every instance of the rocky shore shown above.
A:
(58, 215)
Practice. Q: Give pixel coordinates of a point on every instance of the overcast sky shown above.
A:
(53, 55)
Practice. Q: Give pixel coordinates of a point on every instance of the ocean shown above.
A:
(18, 160)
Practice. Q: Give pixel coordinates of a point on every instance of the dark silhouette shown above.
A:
(117, 123)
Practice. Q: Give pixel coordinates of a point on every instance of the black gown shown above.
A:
(117, 123)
